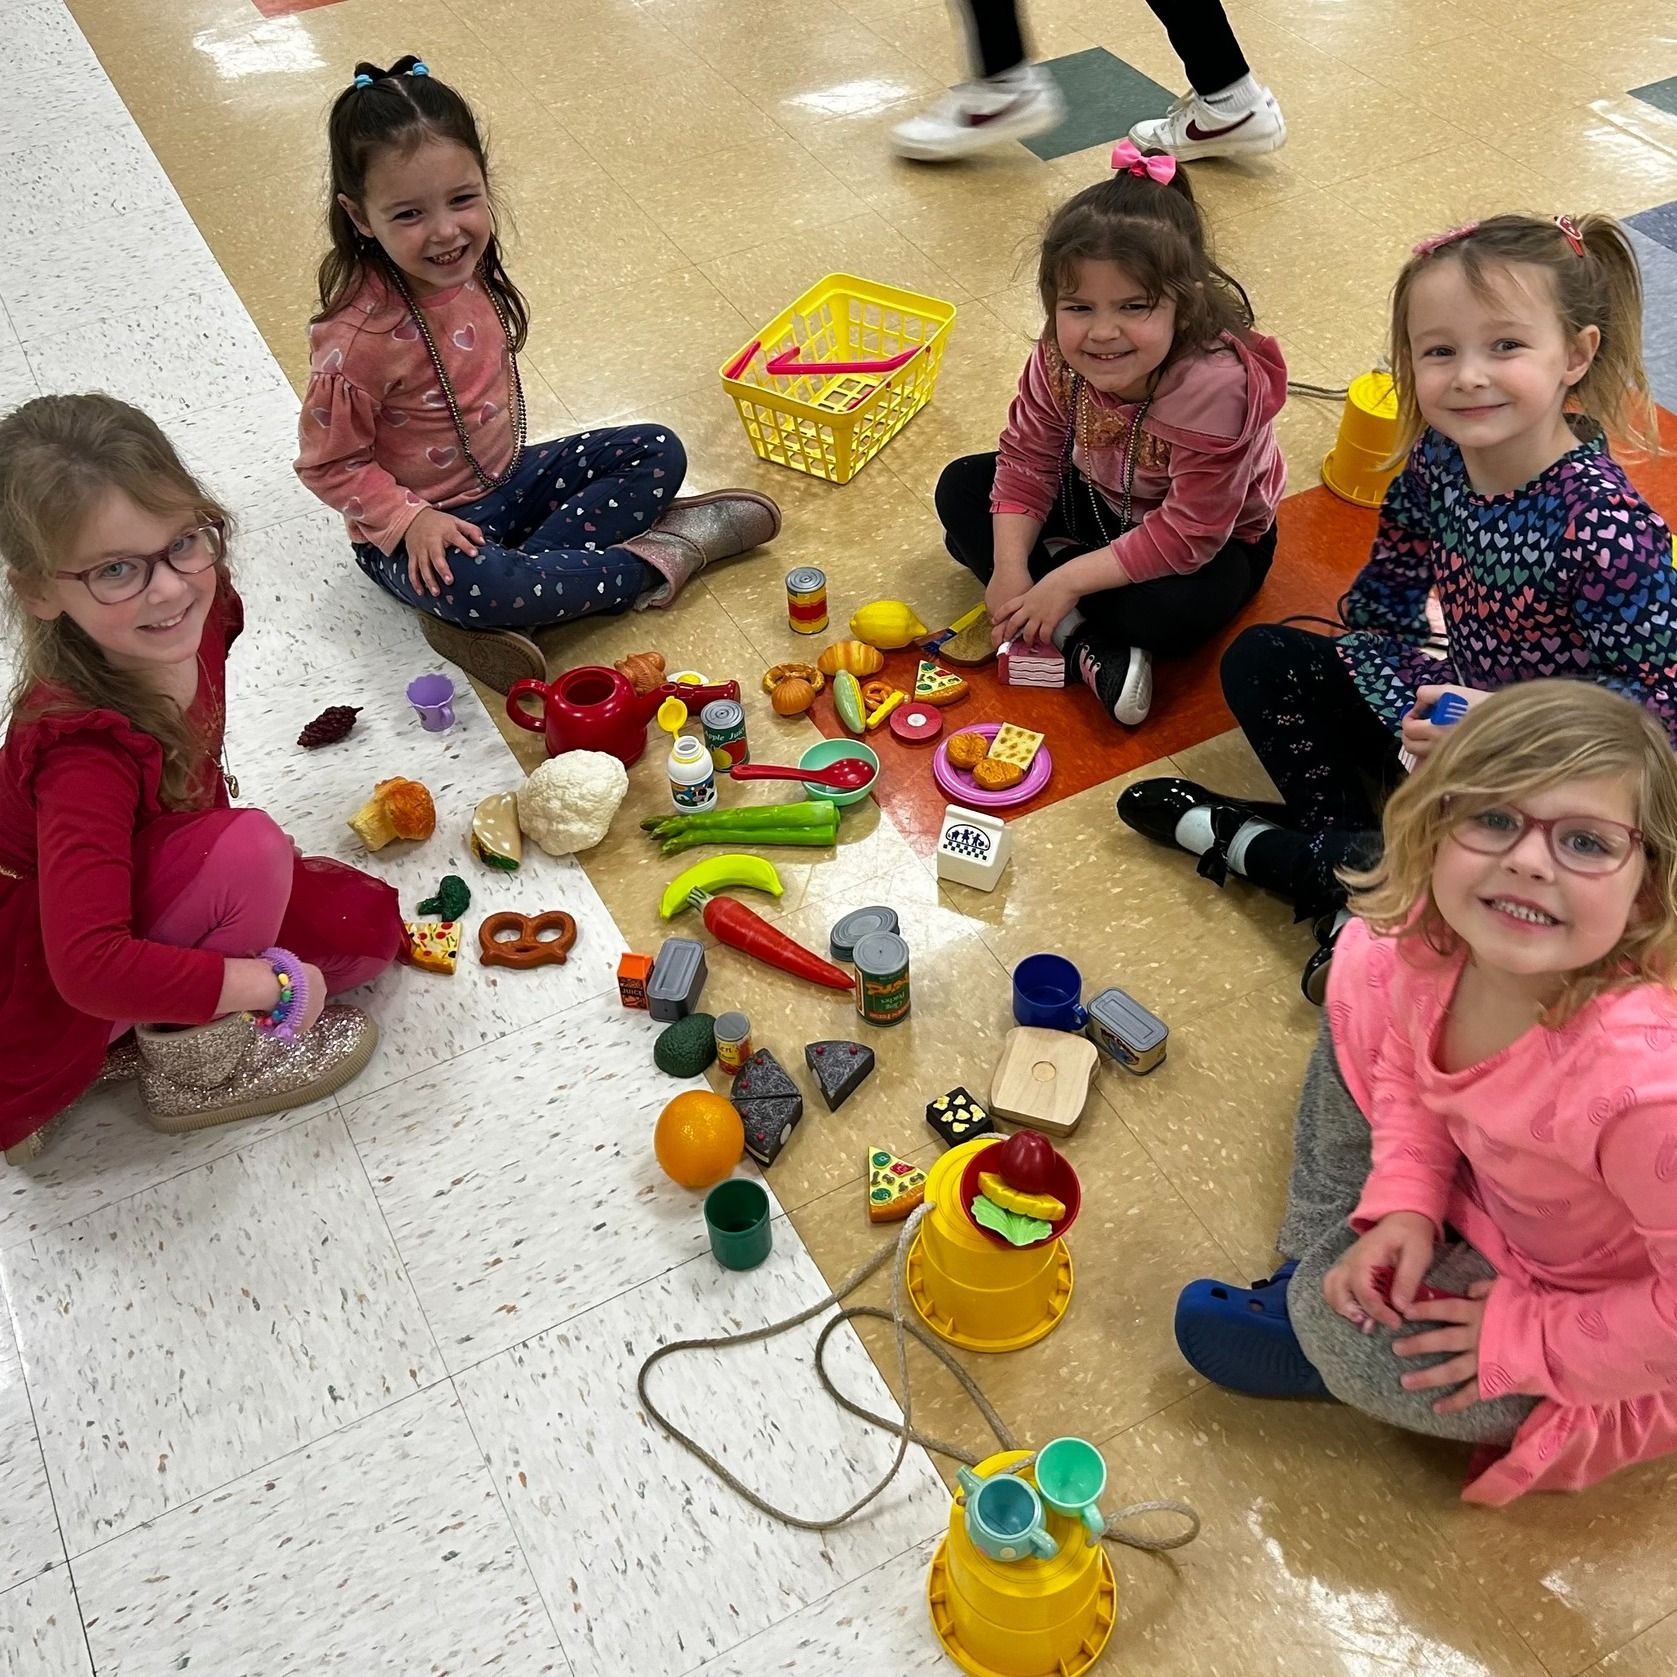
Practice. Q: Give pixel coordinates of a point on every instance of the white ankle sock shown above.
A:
(1254, 827)
(1066, 628)
(1193, 831)
(1236, 97)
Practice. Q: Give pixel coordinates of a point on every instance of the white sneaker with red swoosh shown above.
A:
(979, 115)
(1191, 128)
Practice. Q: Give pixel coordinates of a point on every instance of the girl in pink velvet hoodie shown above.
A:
(1130, 508)
(1481, 1228)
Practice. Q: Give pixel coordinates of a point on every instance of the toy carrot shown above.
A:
(741, 928)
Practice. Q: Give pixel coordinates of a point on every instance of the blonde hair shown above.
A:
(58, 456)
(1600, 287)
(1530, 738)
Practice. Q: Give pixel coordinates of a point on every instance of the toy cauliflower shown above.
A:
(398, 809)
(567, 803)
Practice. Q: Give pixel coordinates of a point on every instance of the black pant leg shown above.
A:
(1203, 39)
(995, 39)
(1329, 754)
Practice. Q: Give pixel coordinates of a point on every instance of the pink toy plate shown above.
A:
(960, 785)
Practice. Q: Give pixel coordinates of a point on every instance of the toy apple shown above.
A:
(1026, 1161)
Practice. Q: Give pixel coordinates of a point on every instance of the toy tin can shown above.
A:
(733, 1041)
(806, 599)
(723, 721)
(882, 989)
(1120, 1026)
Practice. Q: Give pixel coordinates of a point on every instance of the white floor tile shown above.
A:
(29, 1540)
(384, 1548)
(519, 1182)
(104, 1151)
(193, 351)
(17, 383)
(40, 1630)
(878, 1623)
(648, 1564)
(243, 452)
(208, 1325)
(41, 40)
(84, 175)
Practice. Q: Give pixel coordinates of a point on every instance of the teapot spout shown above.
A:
(695, 698)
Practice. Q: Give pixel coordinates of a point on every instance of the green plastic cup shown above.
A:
(737, 1217)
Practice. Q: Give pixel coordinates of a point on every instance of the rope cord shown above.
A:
(904, 1429)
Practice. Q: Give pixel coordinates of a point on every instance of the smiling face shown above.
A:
(161, 626)
(1522, 913)
(1109, 331)
(1492, 369)
(429, 210)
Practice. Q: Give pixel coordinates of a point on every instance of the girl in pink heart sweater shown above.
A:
(1481, 1229)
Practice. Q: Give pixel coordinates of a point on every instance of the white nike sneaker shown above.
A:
(978, 115)
(1135, 697)
(1191, 128)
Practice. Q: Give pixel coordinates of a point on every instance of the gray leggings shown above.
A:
(1332, 1154)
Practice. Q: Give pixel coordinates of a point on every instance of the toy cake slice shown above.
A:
(839, 1067)
(770, 1105)
(895, 1187)
(1016, 745)
(934, 685)
(957, 1117)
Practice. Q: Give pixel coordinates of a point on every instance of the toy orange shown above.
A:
(699, 1138)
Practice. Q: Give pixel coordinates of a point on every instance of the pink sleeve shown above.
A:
(1192, 523)
(1415, 1156)
(1029, 453)
(1614, 1343)
(335, 437)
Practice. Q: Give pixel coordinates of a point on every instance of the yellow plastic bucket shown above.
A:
(1355, 468)
(968, 1289)
(1025, 1618)
(862, 359)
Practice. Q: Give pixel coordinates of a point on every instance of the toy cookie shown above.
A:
(526, 947)
(991, 775)
(967, 751)
(1014, 744)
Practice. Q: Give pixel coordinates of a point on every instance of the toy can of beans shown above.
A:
(723, 721)
(806, 599)
(882, 991)
(733, 1042)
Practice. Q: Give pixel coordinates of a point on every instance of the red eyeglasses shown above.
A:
(127, 576)
(1586, 844)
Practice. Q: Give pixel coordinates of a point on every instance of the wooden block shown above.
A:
(1042, 1079)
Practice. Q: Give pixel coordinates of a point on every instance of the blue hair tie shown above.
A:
(420, 70)
(363, 81)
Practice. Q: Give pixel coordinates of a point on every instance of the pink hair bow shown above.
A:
(1127, 158)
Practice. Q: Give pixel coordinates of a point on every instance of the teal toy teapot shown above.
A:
(1004, 1517)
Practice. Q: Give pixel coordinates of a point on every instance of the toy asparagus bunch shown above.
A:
(812, 822)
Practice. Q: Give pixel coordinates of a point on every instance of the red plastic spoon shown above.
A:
(843, 776)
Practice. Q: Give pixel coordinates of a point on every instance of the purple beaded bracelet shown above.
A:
(293, 996)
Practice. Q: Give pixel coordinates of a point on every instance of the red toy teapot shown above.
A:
(592, 708)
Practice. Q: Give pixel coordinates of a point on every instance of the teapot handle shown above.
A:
(515, 709)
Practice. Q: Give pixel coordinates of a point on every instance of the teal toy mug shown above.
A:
(1005, 1518)
(1071, 1476)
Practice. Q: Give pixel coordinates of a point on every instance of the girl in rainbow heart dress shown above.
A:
(1514, 342)
(1480, 1240)
(413, 422)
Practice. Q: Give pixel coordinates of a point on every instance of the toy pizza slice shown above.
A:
(433, 945)
(895, 1187)
(934, 685)
(1014, 744)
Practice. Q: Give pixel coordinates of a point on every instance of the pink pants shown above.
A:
(232, 881)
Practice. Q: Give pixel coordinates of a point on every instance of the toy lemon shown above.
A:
(887, 624)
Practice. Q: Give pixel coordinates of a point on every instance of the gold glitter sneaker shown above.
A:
(227, 1069)
(122, 1065)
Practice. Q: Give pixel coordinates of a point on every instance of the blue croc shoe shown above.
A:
(1241, 1338)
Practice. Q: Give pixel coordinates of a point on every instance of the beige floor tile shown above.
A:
(1226, 764)
(1475, 82)
(1409, 198)
(798, 81)
(1652, 1654)
(1316, 1547)
(1593, 162)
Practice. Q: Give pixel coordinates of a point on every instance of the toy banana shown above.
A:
(716, 873)
(1044, 1207)
(886, 624)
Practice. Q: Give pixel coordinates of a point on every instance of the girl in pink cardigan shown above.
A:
(1481, 1229)
(1130, 508)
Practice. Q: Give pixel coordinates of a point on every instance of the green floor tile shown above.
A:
(1104, 96)
(1663, 94)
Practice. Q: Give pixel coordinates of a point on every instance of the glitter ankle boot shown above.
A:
(227, 1069)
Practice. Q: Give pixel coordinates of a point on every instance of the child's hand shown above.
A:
(1009, 583)
(1421, 736)
(1402, 1243)
(428, 540)
(1035, 614)
(1466, 1317)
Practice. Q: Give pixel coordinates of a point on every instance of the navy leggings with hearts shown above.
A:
(553, 532)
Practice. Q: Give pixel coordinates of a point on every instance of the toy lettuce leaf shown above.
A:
(1016, 1230)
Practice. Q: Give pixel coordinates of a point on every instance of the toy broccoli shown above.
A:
(452, 898)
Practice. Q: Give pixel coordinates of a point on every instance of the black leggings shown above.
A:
(1168, 617)
(1333, 760)
(1199, 32)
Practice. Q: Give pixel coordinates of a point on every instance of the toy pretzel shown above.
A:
(527, 947)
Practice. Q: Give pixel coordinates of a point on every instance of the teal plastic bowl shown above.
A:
(824, 754)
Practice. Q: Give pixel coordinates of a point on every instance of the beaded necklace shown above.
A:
(1078, 431)
(515, 385)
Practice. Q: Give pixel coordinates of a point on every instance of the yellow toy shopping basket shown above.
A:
(831, 380)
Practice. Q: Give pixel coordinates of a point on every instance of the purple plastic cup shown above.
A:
(432, 698)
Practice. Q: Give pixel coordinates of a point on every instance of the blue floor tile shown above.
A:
(1663, 94)
(1104, 96)
(1659, 224)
